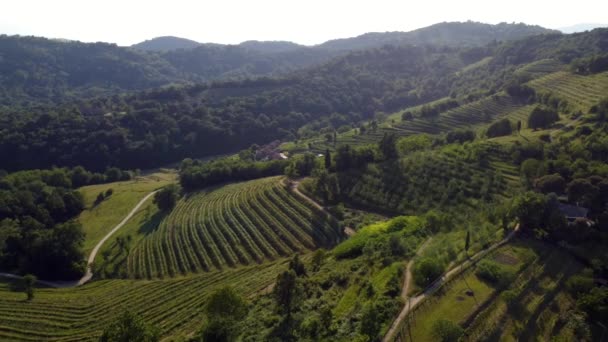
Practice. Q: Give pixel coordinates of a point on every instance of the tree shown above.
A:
(224, 309)
(29, 282)
(388, 146)
(529, 209)
(317, 259)
(531, 169)
(542, 117)
(518, 126)
(500, 128)
(581, 189)
(426, 271)
(327, 159)
(297, 266)
(550, 183)
(291, 171)
(167, 197)
(407, 116)
(285, 291)
(370, 321)
(129, 327)
(467, 242)
(447, 331)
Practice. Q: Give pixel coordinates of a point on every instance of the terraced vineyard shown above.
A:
(582, 92)
(471, 115)
(540, 68)
(235, 224)
(80, 314)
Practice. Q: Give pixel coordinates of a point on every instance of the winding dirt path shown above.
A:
(407, 284)
(413, 302)
(89, 274)
(293, 185)
(91, 258)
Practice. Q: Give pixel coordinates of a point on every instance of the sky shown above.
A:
(126, 22)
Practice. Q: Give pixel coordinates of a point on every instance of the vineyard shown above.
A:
(236, 224)
(582, 92)
(80, 314)
(471, 115)
(427, 180)
(540, 68)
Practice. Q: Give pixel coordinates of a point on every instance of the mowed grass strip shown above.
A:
(98, 220)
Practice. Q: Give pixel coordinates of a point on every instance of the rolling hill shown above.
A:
(165, 44)
(37, 70)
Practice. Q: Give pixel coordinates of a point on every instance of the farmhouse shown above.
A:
(573, 212)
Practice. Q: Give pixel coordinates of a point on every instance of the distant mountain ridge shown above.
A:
(39, 70)
(446, 33)
(582, 27)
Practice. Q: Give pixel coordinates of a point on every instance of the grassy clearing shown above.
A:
(98, 220)
(536, 313)
(452, 304)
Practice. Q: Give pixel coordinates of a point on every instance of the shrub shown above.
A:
(500, 128)
(426, 271)
(551, 183)
(493, 273)
(447, 331)
(542, 117)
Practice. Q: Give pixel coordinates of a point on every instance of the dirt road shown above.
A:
(293, 185)
(412, 302)
(89, 274)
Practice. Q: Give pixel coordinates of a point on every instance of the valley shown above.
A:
(389, 187)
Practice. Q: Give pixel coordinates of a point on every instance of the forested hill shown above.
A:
(38, 70)
(155, 127)
(165, 44)
(43, 70)
(451, 34)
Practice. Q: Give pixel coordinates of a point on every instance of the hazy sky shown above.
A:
(307, 22)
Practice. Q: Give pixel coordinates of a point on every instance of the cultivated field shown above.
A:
(474, 115)
(80, 314)
(581, 92)
(235, 224)
(424, 181)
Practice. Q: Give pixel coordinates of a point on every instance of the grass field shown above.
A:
(98, 220)
(80, 314)
(227, 226)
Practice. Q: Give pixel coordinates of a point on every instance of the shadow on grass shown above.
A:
(152, 223)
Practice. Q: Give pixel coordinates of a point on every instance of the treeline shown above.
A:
(195, 174)
(162, 126)
(38, 233)
(590, 65)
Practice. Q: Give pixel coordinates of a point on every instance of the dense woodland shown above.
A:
(157, 127)
(38, 233)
